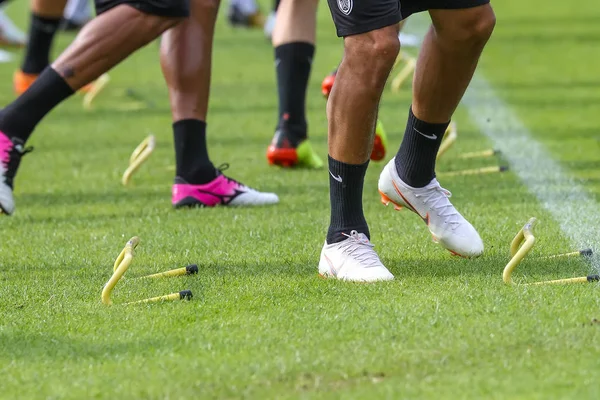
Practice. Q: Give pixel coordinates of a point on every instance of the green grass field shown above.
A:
(262, 324)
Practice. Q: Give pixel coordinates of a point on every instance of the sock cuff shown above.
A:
(427, 127)
(299, 49)
(190, 123)
(62, 86)
(45, 20)
(352, 171)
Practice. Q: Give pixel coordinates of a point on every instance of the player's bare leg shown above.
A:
(352, 113)
(186, 53)
(445, 67)
(294, 44)
(100, 45)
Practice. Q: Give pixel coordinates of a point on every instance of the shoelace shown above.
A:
(353, 248)
(225, 167)
(440, 204)
(14, 158)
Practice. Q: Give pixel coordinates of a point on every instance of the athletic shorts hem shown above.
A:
(160, 8)
(442, 5)
(372, 25)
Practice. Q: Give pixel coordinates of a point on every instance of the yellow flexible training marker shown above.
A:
(123, 262)
(189, 270)
(450, 137)
(476, 171)
(521, 246)
(479, 154)
(410, 64)
(138, 157)
(97, 86)
(183, 295)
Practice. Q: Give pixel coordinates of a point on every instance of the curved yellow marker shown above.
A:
(123, 262)
(138, 157)
(410, 64)
(521, 246)
(450, 137)
(97, 86)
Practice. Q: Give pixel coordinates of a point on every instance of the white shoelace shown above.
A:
(440, 204)
(359, 248)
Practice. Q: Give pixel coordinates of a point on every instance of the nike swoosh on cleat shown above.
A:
(338, 178)
(431, 137)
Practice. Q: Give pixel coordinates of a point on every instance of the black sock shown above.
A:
(293, 64)
(345, 195)
(415, 161)
(191, 153)
(41, 35)
(20, 117)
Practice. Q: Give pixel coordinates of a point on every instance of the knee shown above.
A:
(204, 6)
(158, 25)
(375, 51)
(475, 28)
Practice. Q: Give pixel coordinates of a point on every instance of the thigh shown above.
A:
(161, 8)
(352, 17)
(414, 6)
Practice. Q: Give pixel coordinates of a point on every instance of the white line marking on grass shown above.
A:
(568, 202)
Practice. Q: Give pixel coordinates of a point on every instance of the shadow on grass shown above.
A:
(51, 347)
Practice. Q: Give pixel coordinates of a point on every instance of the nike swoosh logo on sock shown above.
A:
(337, 178)
(432, 137)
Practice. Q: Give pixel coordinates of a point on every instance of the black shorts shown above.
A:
(352, 17)
(162, 8)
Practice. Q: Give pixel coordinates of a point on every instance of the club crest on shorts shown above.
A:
(345, 6)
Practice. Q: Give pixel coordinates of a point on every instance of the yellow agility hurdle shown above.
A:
(141, 153)
(410, 64)
(123, 262)
(97, 86)
(522, 244)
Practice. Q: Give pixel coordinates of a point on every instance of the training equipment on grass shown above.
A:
(450, 137)
(475, 171)
(409, 67)
(97, 86)
(189, 270)
(138, 157)
(522, 244)
(480, 154)
(121, 265)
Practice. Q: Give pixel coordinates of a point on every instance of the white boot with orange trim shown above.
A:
(447, 226)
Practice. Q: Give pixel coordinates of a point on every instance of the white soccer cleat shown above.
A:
(10, 34)
(447, 226)
(353, 260)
